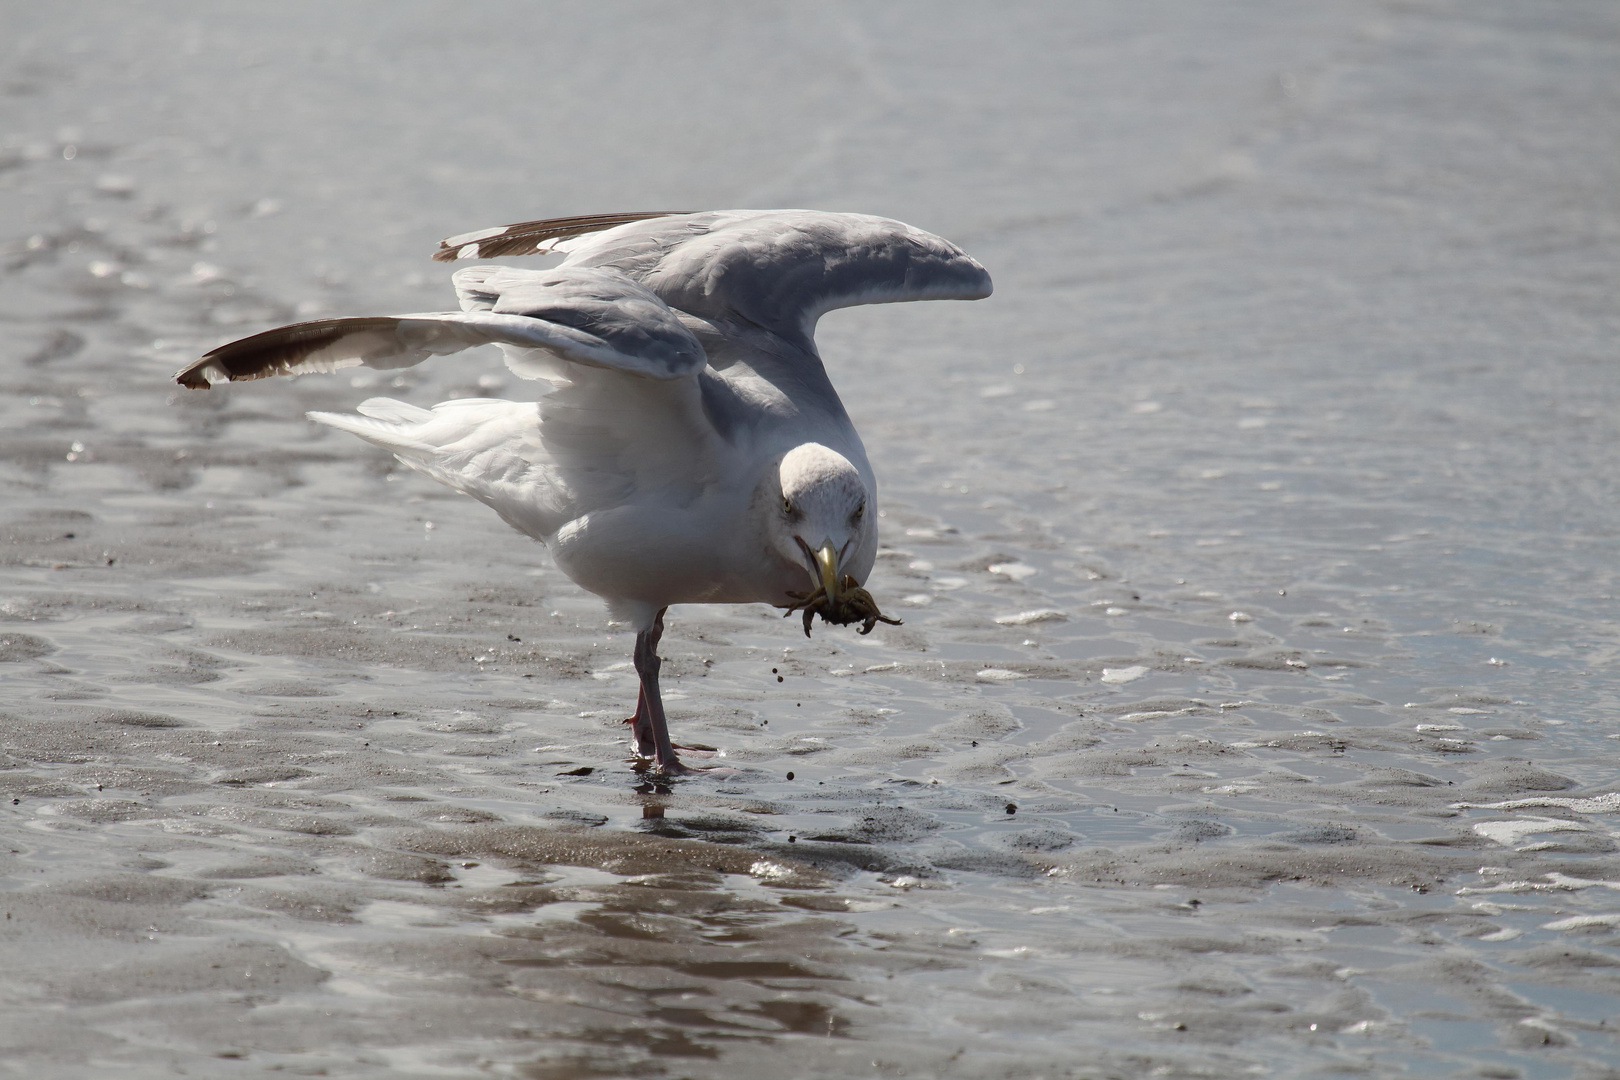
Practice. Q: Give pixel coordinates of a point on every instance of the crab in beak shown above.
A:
(838, 598)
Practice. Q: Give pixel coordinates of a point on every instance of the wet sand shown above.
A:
(1254, 711)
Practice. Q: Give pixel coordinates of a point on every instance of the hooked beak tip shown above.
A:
(827, 564)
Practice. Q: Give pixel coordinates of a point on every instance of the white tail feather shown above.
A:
(390, 409)
(388, 434)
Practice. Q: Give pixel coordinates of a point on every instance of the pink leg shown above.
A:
(641, 725)
(651, 702)
(650, 727)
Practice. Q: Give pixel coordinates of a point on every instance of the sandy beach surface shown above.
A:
(1255, 711)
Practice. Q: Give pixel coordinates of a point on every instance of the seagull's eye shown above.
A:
(860, 512)
(787, 506)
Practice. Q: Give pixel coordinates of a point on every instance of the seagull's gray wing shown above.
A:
(590, 316)
(776, 269)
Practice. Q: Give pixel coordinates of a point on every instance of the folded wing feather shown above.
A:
(534, 237)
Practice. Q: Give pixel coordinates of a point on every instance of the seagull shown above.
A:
(690, 448)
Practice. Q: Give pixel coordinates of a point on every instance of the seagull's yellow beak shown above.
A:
(827, 564)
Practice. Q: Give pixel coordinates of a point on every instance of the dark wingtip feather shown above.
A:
(273, 352)
(524, 237)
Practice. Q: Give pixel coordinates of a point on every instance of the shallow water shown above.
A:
(1253, 712)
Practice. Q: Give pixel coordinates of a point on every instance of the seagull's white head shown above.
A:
(824, 517)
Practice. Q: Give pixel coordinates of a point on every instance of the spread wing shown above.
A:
(776, 269)
(596, 317)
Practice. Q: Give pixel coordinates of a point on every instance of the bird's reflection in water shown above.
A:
(686, 968)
